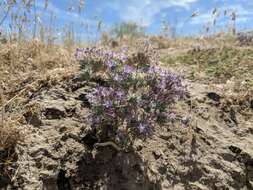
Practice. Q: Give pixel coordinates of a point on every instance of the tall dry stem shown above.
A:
(3, 107)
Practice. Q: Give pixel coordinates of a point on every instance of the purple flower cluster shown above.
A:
(165, 83)
(106, 97)
(139, 96)
(107, 57)
(106, 105)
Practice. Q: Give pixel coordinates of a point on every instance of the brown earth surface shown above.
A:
(212, 149)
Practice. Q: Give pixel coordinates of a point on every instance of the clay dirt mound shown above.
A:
(214, 150)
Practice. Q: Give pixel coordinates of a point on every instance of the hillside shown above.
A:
(47, 143)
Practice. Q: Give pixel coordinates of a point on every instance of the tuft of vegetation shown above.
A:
(136, 94)
(9, 136)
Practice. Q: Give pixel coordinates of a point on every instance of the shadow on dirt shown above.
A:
(106, 168)
(7, 162)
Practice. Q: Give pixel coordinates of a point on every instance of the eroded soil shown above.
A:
(213, 150)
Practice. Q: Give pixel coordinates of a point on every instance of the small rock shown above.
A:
(214, 96)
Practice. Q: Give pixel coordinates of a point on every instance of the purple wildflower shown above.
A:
(142, 128)
(118, 78)
(128, 69)
(108, 104)
(120, 94)
(111, 64)
(162, 84)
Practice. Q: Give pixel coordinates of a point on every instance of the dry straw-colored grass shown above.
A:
(26, 67)
(28, 59)
(9, 135)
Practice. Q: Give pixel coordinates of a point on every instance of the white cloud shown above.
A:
(144, 11)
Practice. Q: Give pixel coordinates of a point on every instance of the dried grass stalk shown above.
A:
(9, 136)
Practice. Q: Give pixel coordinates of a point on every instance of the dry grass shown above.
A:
(160, 42)
(24, 69)
(9, 135)
(20, 62)
(217, 65)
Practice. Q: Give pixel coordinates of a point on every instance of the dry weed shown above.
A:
(26, 68)
(9, 135)
(18, 61)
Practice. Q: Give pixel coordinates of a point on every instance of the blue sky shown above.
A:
(149, 13)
